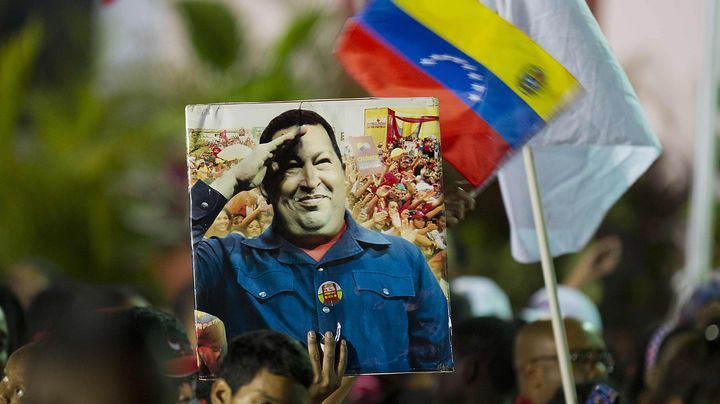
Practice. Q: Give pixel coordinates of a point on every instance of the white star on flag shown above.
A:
(474, 97)
(477, 87)
(427, 62)
(468, 67)
(475, 76)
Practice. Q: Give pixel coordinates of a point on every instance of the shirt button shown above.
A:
(262, 294)
(326, 310)
(204, 205)
(386, 291)
(321, 269)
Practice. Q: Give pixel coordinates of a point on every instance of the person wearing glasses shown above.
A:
(536, 363)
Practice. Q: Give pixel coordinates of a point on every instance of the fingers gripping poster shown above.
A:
(321, 216)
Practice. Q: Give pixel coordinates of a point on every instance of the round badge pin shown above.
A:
(330, 293)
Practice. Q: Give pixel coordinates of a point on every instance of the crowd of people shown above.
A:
(75, 343)
(405, 198)
(205, 160)
(248, 213)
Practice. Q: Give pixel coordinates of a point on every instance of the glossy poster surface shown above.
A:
(321, 216)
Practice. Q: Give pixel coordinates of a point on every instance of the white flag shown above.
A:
(593, 151)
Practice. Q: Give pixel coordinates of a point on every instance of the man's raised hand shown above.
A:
(250, 171)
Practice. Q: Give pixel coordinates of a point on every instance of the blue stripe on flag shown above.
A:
(468, 79)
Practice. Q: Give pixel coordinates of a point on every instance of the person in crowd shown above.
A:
(536, 363)
(703, 305)
(249, 223)
(122, 296)
(106, 357)
(297, 275)
(483, 348)
(690, 374)
(573, 303)
(419, 221)
(236, 223)
(64, 299)
(13, 327)
(267, 366)
(254, 229)
(211, 342)
(221, 227)
(484, 296)
(169, 346)
(183, 308)
(667, 350)
(50, 307)
(13, 385)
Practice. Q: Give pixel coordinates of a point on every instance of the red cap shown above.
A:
(418, 215)
(181, 366)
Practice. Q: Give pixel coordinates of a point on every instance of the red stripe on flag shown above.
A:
(468, 142)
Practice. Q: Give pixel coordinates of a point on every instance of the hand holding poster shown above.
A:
(294, 238)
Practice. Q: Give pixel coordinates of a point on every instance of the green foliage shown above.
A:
(65, 155)
(95, 183)
(16, 59)
(213, 32)
(297, 34)
(275, 79)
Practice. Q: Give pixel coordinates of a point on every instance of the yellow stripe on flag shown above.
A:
(501, 47)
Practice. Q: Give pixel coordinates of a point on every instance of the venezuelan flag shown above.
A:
(496, 86)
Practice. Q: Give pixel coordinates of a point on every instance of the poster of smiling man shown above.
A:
(317, 216)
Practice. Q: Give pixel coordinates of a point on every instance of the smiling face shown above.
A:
(222, 222)
(309, 196)
(254, 229)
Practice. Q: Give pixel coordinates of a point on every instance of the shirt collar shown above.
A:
(347, 245)
(364, 235)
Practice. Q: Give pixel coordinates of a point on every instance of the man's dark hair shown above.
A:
(162, 332)
(290, 118)
(299, 117)
(249, 353)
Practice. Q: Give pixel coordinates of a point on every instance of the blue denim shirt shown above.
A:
(392, 312)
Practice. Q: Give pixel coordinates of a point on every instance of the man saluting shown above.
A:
(315, 268)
